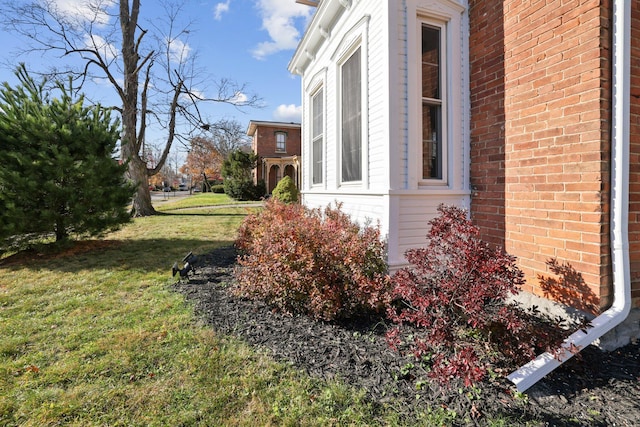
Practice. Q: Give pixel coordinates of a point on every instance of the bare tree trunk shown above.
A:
(61, 231)
(130, 143)
(142, 199)
(207, 186)
(124, 74)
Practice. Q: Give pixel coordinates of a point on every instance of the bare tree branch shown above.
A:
(172, 128)
(110, 44)
(144, 100)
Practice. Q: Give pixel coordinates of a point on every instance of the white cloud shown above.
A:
(103, 81)
(239, 98)
(279, 19)
(178, 50)
(288, 113)
(106, 50)
(198, 93)
(220, 9)
(85, 10)
(195, 94)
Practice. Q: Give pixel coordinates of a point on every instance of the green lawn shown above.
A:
(96, 336)
(197, 201)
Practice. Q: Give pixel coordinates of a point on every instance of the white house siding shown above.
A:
(413, 203)
(365, 200)
(365, 209)
(378, 94)
(410, 213)
(398, 100)
(390, 192)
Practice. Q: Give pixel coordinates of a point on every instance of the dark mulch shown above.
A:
(598, 389)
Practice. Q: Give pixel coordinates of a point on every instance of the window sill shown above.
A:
(435, 183)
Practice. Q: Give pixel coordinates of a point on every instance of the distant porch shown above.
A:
(276, 168)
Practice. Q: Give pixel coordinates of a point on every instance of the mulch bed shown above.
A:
(597, 389)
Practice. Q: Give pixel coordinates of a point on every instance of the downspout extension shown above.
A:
(532, 372)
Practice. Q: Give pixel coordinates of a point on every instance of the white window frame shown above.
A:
(318, 92)
(445, 112)
(355, 38)
(452, 16)
(360, 123)
(317, 82)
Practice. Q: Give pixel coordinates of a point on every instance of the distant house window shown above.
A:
(432, 77)
(317, 113)
(351, 118)
(281, 141)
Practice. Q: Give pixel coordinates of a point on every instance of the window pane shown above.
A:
(317, 161)
(317, 129)
(317, 114)
(432, 145)
(431, 141)
(430, 62)
(351, 119)
(281, 141)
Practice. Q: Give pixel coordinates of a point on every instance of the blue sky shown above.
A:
(249, 41)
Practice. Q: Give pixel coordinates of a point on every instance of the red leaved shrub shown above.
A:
(453, 298)
(316, 262)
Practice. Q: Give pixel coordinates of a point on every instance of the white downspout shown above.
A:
(535, 370)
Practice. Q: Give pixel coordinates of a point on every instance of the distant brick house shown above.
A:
(500, 106)
(278, 148)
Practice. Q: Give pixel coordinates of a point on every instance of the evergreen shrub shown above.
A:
(286, 191)
(58, 172)
(238, 181)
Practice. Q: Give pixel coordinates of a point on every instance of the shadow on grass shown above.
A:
(139, 255)
(189, 212)
(212, 210)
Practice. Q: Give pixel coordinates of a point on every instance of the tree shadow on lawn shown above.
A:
(212, 212)
(148, 255)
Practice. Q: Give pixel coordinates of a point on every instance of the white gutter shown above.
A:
(535, 370)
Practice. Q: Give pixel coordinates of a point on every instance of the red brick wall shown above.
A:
(634, 160)
(555, 88)
(264, 143)
(486, 47)
(266, 139)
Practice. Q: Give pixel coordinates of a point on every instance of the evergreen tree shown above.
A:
(236, 171)
(57, 170)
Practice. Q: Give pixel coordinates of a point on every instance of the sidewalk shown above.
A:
(158, 196)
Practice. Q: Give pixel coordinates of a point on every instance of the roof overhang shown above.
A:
(253, 125)
(327, 14)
